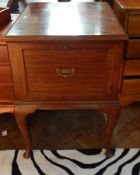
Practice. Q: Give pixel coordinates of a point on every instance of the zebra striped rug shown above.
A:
(70, 162)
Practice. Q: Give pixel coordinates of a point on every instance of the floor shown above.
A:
(72, 129)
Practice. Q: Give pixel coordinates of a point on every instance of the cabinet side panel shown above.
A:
(18, 70)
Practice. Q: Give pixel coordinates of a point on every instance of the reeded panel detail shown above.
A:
(89, 79)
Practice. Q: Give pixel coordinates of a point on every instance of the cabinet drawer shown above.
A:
(131, 86)
(132, 67)
(133, 24)
(133, 49)
(69, 71)
(4, 59)
(5, 75)
(6, 92)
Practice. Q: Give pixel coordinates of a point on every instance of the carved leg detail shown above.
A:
(21, 114)
(113, 115)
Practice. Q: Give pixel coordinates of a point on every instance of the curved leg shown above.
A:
(112, 118)
(21, 113)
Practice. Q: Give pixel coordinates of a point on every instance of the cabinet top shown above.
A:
(44, 21)
(129, 4)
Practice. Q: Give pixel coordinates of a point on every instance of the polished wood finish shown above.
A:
(5, 75)
(7, 108)
(133, 50)
(93, 25)
(41, 61)
(57, 67)
(112, 118)
(131, 86)
(128, 12)
(133, 24)
(7, 94)
(21, 114)
(132, 67)
(4, 58)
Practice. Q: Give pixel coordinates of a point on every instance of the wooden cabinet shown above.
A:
(128, 13)
(69, 56)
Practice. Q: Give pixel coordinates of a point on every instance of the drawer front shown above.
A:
(5, 75)
(7, 92)
(66, 73)
(131, 86)
(133, 24)
(4, 59)
(132, 67)
(133, 49)
(69, 71)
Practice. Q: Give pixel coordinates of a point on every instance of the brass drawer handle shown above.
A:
(65, 72)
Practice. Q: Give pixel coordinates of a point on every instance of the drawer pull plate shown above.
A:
(65, 72)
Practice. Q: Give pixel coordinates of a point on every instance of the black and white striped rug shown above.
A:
(70, 162)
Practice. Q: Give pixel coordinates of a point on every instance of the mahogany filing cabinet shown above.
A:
(66, 56)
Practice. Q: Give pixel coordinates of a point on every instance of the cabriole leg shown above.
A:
(112, 118)
(21, 113)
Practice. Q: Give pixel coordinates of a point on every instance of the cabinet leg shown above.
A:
(21, 114)
(112, 118)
